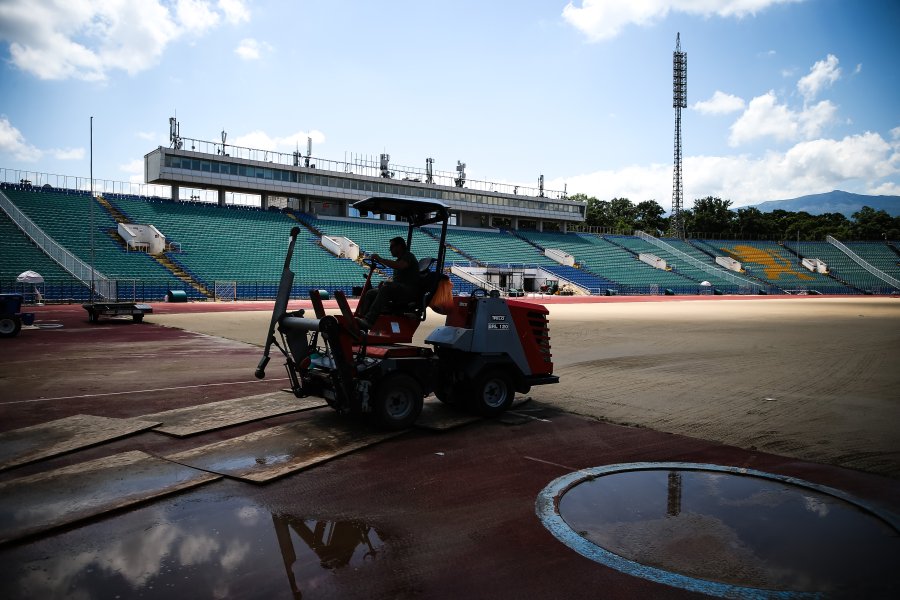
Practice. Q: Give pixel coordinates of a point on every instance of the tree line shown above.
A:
(713, 218)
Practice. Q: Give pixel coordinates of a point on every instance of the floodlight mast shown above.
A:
(91, 207)
(679, 101)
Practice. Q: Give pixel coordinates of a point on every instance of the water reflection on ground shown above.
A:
(736, 529)
(196, 546)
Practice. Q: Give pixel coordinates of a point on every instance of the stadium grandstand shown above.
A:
(142, 242)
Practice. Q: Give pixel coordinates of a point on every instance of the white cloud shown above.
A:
(813, 119)
(250, 49)
(235, 11)
(765, 117)
(12, 142)
(196, 15)
(61, 39)
(263, 141)
(68, 153)
(861, 163)
(888, 188)
(605, 19)
(822, 74)
(720, 104)
(134, 169)
(133, 166)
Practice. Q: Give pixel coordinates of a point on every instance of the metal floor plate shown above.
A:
(45, 501)
(271, 453)
(182, 422)
(30, 444)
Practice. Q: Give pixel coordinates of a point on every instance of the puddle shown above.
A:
(197, 547)
(730, 529)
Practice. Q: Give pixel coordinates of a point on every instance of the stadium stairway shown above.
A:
(117, 215)
(162, 259)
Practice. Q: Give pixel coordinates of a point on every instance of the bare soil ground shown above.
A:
(813, 378)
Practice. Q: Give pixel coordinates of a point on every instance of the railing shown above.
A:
(739, 281)
(465, 275)
(70, 182)
(865, 265)
(101, 284)
(364, 165)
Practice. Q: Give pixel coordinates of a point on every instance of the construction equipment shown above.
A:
(488, 349)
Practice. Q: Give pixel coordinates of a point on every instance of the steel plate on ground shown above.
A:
(271, 453)
(190, 420)
(38, 503)
(30, 444)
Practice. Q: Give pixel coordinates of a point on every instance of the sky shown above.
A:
(784, 97)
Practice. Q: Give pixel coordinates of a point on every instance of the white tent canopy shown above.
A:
(30, 277)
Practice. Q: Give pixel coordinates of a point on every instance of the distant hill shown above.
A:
(837, 201)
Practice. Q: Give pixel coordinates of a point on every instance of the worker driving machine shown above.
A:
(488, 349)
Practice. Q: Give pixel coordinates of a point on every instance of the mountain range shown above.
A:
(836, 201)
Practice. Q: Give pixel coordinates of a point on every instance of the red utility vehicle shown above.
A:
(488, 349)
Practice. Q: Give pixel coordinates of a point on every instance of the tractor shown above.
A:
(488, 349)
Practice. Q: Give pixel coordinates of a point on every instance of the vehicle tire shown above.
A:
(138, 318)
(492, 392)
(10, 325)
(398, 402)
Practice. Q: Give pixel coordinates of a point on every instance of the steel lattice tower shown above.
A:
(679, 101)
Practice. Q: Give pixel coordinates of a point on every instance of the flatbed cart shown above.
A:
(95, 310)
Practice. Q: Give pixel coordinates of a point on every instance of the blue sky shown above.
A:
(785, 97)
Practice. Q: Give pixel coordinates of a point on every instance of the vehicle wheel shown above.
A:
(138, 318)
(398, 402)
(492, 392)
(10, 325)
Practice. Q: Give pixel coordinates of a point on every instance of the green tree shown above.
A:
(617, 214)
(752, 223)
(712, 215)
(622, 213)
(648, 217)
(834, 224)
(871, 224)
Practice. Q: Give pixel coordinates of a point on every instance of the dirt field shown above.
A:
(811, 378)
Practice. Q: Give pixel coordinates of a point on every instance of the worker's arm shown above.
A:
(394, 264)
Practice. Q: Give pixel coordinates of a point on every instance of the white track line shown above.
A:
(165, 389)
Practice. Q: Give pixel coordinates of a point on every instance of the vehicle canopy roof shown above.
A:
(415, 211)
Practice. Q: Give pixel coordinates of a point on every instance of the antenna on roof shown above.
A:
(308, 149)
(385, 160)
(541, 185)
(460, 181)
(429, 170)
(224, 135)
(175, 133)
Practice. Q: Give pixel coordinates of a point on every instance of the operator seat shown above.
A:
(428, 282)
